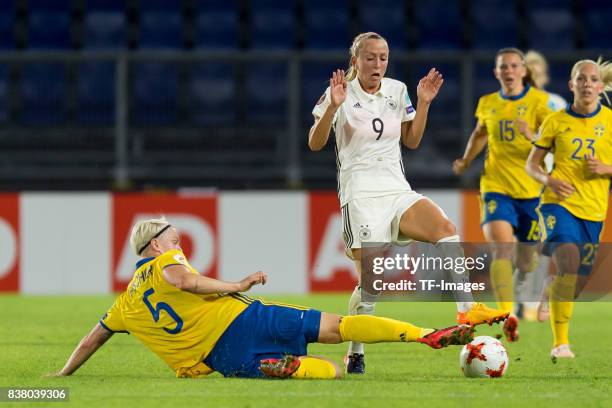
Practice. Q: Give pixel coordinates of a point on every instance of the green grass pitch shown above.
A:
(37, 334)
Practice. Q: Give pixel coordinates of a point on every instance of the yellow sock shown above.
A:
(561, 310)
(373, 329)
(501, 279)
(560, 316)
(312, 367)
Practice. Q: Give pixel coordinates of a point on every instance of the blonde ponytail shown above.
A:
(351, 72)
(605, 72)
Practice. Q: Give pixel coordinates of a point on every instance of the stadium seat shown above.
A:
(7, 24)
(439, 30)
(495, 24)
(326, 25)
(49, 29)
(154, 91)
(213, 94)
(217, 25)
(161, 25)
(43, 89)
(4, 97)
(551, 24)
(105, 30)
(597, 17)
(267, 93)
(96, 93)
(272, 24)
(387, 18)
(484, 80)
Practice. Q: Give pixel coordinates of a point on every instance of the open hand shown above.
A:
(429, 85)
(337, 86)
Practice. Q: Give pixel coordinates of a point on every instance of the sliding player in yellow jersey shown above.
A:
(198, 325)
(507, 122)
(575, 200)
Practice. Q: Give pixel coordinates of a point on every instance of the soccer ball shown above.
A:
(484, 357)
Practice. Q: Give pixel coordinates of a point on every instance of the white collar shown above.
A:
(363, 94)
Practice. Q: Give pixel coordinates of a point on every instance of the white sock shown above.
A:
(464, 300)
(357, 307)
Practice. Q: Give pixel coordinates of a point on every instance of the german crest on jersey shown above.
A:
(391, 104)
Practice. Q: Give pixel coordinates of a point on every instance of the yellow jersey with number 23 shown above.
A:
(573, 137)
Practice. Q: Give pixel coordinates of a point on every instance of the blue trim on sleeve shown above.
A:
(144, 261)
(112, 331)
(575, 114)
(106, 327)
(541, 147)
(515, 97)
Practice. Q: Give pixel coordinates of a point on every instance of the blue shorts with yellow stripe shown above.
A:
(262, 331)
(520, 213)
(562, 227)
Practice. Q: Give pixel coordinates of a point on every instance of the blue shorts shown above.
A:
(520, 213)
(563, 227)
(263, 331)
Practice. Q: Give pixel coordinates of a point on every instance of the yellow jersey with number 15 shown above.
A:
(180, 327)
(508, 149)
(573, 137)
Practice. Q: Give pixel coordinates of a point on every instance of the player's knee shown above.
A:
(446, 229)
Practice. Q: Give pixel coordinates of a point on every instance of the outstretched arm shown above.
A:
(88, 345)
(179, 276)
(427, 89)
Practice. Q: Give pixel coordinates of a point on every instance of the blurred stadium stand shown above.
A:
(98, 94)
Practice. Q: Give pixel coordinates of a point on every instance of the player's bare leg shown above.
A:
(354, 360)
(425, 221)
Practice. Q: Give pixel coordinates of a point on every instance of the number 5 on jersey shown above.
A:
(155, 311)
(378, 127)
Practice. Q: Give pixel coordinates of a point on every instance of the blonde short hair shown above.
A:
(144, 231)
(605, 71)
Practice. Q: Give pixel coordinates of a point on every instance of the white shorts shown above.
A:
(375, 219)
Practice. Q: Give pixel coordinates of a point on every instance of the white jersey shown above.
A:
(368, 132)
(556, 102)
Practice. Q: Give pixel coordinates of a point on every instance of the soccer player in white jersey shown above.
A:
(370, 115)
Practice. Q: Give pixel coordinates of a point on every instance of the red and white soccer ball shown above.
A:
(484, 357)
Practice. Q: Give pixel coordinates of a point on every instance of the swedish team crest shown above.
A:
(599, 129)
(491, 206)
(521, 110)
(551, 220)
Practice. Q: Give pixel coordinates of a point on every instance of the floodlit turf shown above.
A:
(37, 334)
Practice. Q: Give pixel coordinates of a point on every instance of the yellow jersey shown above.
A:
(180, 327)
(508, 149)
(573, 137)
